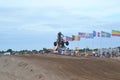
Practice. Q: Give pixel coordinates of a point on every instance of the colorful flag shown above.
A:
(94, 33)
(82, 35)
(76, 38)
(98, 34)
(69, 38)
(105, 34)
(89, 36)
(115, 33)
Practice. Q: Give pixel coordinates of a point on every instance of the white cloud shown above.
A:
(58, 8)
(8, 19)
(34, 17)
(60, 3)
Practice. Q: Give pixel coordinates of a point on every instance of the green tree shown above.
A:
(34, 51)
(10, 50)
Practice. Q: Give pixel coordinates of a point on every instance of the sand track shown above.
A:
(55, 67)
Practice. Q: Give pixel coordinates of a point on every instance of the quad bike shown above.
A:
(60, 43)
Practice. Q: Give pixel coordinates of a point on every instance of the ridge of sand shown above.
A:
(47, 67)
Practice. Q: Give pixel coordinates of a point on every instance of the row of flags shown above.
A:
(92, 35)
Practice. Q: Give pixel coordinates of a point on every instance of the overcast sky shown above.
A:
(34, 24)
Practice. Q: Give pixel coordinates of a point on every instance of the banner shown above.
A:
(105, 34)
(98, 34)
(89, 36)
(82, 35)
(69, 38)
(94, 33)
(115, 33)
(76, 38)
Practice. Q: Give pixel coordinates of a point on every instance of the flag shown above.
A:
(69, 38)
(82, 35)
(94, 33)
(115, 33)
(98, 34)
(89, 36)
(108, 35)
(76, 38)
(105, 34)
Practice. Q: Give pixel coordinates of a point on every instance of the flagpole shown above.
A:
(93, 43)
(100, 42)
(111, 46)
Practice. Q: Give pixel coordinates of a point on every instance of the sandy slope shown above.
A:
(55, 67)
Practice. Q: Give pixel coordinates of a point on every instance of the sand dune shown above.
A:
(56, 67)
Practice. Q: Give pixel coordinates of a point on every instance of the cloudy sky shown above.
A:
(34, 24)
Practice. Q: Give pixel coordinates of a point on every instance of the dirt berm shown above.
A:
(56, 67)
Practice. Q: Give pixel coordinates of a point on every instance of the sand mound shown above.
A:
(55, 67)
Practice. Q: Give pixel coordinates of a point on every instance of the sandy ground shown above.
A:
(56, 67)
